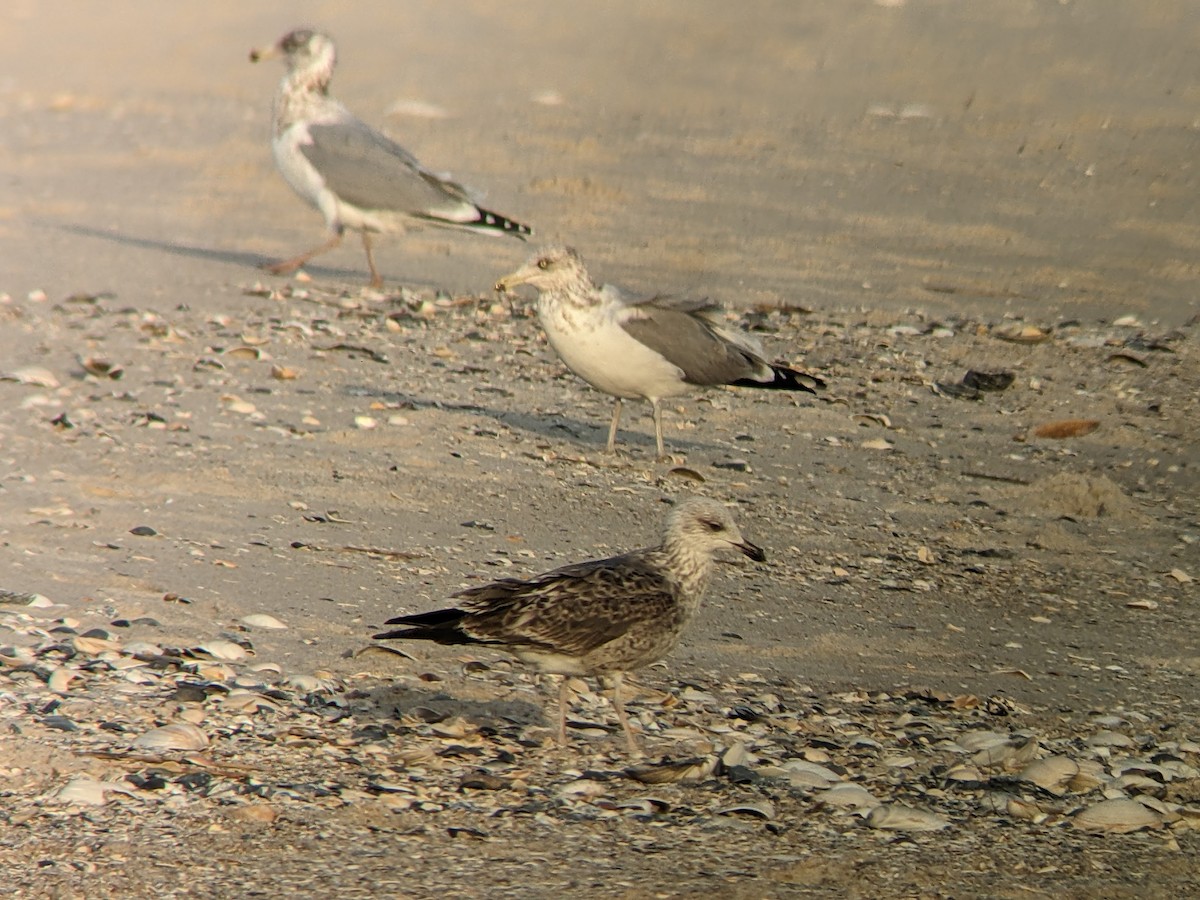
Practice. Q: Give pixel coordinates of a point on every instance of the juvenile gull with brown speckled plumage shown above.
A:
(604, 617)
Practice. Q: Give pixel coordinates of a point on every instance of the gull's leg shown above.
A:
(619, 703)
(658, 429)
(612, 428)
(562, 711)
(376, 278)
(288, 266)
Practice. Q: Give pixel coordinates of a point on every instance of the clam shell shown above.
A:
(802, 773)
(1053, 773)
(83, 792)
(1119, 816)
(179, 736)
(898, 817)
(262, 620)
(697, 768)
(762, 809)
(60, 680)
(849, 796)
(226, 650)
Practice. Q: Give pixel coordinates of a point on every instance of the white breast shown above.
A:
(596, 348)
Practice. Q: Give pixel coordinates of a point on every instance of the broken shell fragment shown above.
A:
(262, 620)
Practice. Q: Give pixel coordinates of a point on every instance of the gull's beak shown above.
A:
(513, 279)
(257, 55)
(752, 550)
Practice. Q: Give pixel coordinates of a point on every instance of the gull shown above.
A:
(601, 618)
(652, 349)
(355, 176)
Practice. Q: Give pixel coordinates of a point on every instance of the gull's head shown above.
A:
(705, 526)
(550, 269)
(302, 50)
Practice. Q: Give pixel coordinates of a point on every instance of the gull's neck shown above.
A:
(688, 565)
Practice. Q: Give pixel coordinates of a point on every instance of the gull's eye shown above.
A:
(543, 263)
(713, 526)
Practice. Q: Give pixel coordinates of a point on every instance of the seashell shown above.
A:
(93, 646)
(262, 620)
(804, 774)
(216, 672)
(737, 755)
(964, 772)
(226, 650)
(1118, 816)
(309, 683)
(1052, 773)
(60, 680)
(1017, 333)
(34, 375)
(847, 795)
(83, 792)
(1066, 428)
(1024, 810)
(898, 817)
(761, 809)
(1134, 783)
(1109, 739)
(247, 702)
(101, 368)
(244, 352)
(697, 768)
(179, 736)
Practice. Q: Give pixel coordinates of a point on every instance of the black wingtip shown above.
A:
(785, 379)
(496, 222)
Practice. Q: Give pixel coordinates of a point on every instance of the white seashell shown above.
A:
(1119, 816)
(262, 620)
(735, 755)
(226, 650)
(1052, 774)
(897, 817)
(1109, 739)
(762, 809)
(247, 702)
(142, 648)
(802, 773)
(83, 792)
(34, 375)
(308, 683)
(849, 796)
(94, 646)
(179, 736)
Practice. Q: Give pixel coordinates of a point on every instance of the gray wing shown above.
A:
(573, 610)
(370, 171)
(706, 353)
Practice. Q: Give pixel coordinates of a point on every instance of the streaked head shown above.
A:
(553, 268)
(302, 49)
(707, 526)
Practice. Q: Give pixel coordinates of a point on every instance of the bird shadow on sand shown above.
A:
(437, 705)
(587, 435)
(210, 254)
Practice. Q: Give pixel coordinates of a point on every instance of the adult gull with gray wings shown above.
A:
(649, 349)
(355, 176)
